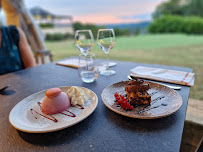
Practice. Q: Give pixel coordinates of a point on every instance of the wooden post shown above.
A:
(11, 15)
(17, 14)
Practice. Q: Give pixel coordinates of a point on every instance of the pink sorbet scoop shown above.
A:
(55, 101)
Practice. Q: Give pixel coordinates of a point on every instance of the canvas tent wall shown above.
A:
(17, 14)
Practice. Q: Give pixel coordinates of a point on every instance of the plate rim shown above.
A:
(59, 128)
(131, 116)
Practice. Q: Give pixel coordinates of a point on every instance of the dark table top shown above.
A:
(104, 130)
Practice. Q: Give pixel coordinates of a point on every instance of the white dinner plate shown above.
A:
(23, 119)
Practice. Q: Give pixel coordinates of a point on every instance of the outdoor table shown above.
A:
(104, 130)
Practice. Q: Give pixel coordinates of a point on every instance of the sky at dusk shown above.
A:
(98, 11)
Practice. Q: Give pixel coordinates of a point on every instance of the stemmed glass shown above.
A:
(84, 41)
(87, 69)
(106, 41)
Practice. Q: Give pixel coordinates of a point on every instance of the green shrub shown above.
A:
(46, 25)
(177, 24)
(120, 32)
(137, 31)
(58, 36)
(69, 36)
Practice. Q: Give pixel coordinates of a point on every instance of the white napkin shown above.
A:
(164, 75)
(74, 64)
(69, 62)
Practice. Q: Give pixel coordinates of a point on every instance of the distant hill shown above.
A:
(142, 26)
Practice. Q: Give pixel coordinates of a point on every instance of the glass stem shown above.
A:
(107, 61)
(86, 62)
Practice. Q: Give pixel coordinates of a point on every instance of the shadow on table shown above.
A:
(140, 125)
(7, 92)
(59, 137)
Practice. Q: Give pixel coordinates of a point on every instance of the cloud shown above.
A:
(103, 19)
(97, 11)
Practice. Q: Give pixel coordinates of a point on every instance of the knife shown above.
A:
(172, 87)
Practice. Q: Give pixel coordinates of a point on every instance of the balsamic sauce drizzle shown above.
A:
(143, 110)
(146, 108)
(157, 99)
(153, 93)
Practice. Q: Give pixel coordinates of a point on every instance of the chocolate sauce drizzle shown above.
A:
(52, 117)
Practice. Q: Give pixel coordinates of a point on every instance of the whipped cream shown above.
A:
(77, 96)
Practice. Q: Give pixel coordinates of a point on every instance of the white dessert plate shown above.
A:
(164, 101)
(24, 119)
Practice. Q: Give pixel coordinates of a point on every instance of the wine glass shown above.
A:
(106, 41)
(84, 41)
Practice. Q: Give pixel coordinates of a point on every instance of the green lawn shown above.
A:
(167, 49)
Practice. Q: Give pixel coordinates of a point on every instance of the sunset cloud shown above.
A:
(100, 12)
(103, 19)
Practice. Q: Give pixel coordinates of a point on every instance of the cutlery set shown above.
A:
(172, 87)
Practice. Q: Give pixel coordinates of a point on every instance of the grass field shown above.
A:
(167, 49)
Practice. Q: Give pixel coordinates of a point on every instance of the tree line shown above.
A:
(178, 16)
(180, 8)
(94, 28)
